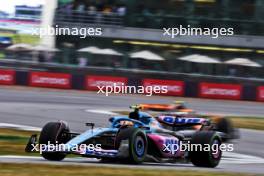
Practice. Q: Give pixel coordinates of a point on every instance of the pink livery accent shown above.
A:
(168, 145)
(174, 121)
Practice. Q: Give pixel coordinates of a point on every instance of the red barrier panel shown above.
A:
(174, 88)
(260, 93)
(220, 91)
(93, 82)
(7, 77)
(50, 80)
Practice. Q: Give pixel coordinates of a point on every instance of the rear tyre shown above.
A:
(210, 157)
(225, 125)
(52, 133)
(138, 144)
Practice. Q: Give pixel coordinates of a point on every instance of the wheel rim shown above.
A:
(139, 146)
(216, 154)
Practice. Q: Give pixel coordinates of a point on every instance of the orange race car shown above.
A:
(179, 110)
(176, 106)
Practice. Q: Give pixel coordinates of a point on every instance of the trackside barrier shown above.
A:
(260, 93)
(50, 80)
(220, 91)
(90, 82)
(95, 81)
(174, 88)
(7, 77)
(249, 92)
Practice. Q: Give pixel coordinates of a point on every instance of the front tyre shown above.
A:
(210, 155)
(138, 144)
(53, 133)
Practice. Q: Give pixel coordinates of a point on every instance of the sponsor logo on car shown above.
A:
(176, 120)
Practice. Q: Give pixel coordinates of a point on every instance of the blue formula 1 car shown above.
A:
(135, 138)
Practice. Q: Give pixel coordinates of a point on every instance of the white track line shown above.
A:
(237, 158)
(101, 112)
(19, 127)
(228, 158)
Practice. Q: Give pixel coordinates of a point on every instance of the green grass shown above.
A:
(55, 170)
(22, 38)
(255, 123)
(13, 142)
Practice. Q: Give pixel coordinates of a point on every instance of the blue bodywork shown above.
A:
(143, 122)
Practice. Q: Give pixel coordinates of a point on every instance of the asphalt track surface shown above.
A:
(35, 107)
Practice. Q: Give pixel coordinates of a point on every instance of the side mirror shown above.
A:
(90, 125)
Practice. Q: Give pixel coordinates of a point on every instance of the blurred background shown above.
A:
(133, 51)
(132, 37)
